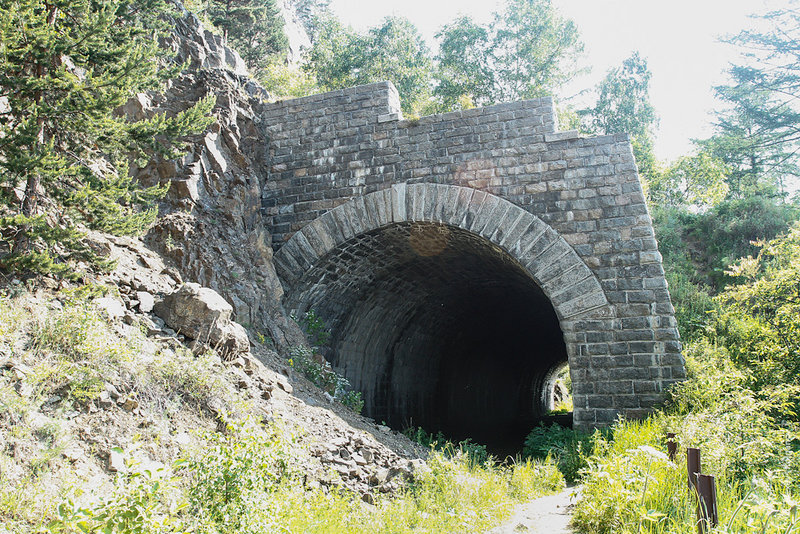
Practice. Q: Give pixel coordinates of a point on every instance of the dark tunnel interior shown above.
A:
(439, 329)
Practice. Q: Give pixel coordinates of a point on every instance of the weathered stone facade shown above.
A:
(374, 218)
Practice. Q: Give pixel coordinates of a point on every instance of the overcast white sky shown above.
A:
(678, 38)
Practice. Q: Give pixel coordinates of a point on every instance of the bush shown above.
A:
(233, 474)
(475, 453)
(569, 448)
(143, 501)
(732, 229)
(324, 377)
(314, 328)
(630, 486)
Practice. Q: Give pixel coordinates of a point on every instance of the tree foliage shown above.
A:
(309, 12)
(698, 180)
(623, 100)
(65, 67)
(759, 320)
(623, 106)
(757, 132)
(393, 51)
(253, 27)
(727, 196)
(528, 51)
(464, 65)
(535, 50)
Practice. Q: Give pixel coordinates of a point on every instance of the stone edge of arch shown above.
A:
(571, 286)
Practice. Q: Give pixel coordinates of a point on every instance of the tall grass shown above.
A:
(266, 494)
(247, 481)
(631, 486)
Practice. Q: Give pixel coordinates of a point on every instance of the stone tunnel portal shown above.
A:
(438, 328)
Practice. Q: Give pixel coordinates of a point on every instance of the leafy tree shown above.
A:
(757, 133)
(623, 101)
(760, 318)
(253, 27)
(729, 231)
(334, 54)
(528, 51)
(288, 81)
(623, 106)
(464, 65)
(393, 51)
(698, 181)
(65, 67)
(534, 50)
(310, 12)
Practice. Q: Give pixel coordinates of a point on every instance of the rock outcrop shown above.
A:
(211, 225)
(203, 315)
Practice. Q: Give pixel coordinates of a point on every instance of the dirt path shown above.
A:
(545, 515)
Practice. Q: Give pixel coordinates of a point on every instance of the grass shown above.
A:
(265, 495)
(249, 478)
(630, 486)
(247, 481)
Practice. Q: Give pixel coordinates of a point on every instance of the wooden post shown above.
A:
(672, 446)
(693, 467)
(706, 503)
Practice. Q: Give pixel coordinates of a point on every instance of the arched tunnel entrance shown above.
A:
(438, 328)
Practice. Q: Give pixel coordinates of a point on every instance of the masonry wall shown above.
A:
(327, 149)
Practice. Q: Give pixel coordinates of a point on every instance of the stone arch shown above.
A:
(551, 262)
(540, 270)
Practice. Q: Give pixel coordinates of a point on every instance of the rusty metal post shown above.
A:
(693, 467)
(706, 503)
(672, 446)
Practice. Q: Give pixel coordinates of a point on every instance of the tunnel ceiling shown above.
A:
(438, 328)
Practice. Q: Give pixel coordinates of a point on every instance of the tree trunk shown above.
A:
(22, 241)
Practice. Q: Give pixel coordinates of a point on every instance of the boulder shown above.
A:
(200, 313)
(146, 301)
(112, 307)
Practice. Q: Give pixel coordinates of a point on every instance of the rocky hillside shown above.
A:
(144, 370)
(185, 337)
(210, 227)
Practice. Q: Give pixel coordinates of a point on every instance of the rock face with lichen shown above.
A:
(211, 225)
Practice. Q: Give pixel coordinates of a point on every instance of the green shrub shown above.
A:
(533, 478)
(632, 487)
(234, 472)
(143, 502)
(475, 453)
(353, 400)
(325, 378)
(315, 329)
(569, 448)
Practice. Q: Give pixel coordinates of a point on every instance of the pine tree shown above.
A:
(758, 132)
(65, 67)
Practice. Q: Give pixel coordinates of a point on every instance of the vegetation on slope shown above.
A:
(63, 469)
(66, 68)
